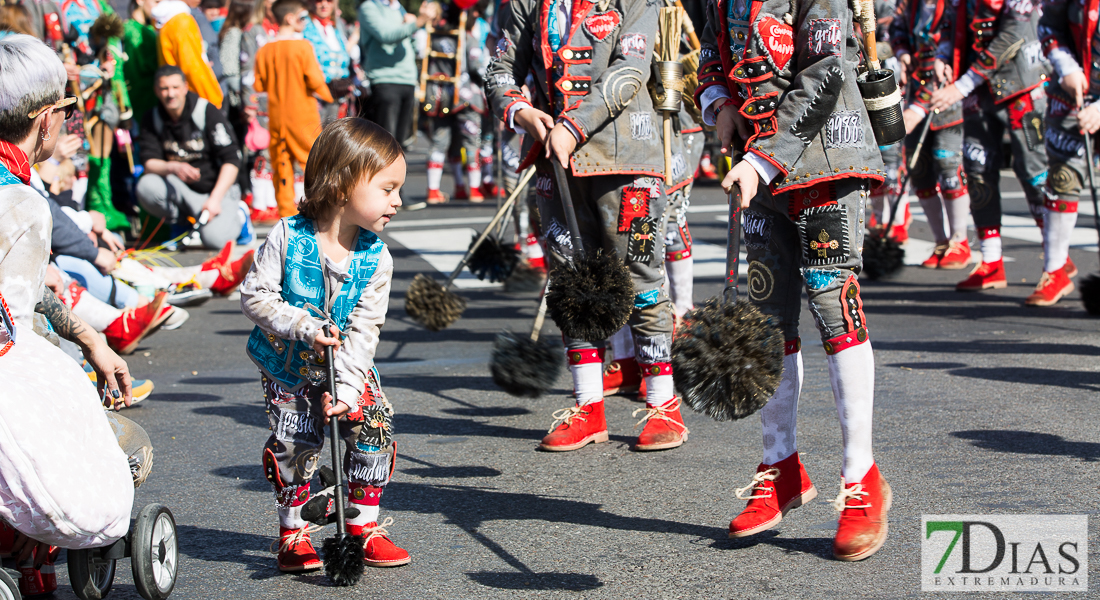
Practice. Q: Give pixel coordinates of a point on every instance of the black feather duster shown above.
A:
(432, 305)
(107, 25)
(344, 558)
(492, 259)
(591, 298)
(1090, 294)
(525, 278)
(882, 256)
(524, 367)
(727, 359)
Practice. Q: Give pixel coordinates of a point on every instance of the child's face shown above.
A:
(373, 203)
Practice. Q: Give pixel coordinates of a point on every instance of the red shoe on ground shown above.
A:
(460, 193)
(900, 233)
(776, 490)
(957, 255)
(933, 262)
(232, 274)
(622, 377)
(124, 333)
(220, 259)
(490, 190)
(708, 171)
(296, 552)
(436, 197)
(378, 550)
(984, 276)
(265, 216)
(861, 529)
(475, 196)
(664, 427)
(1070, 268)
(1052, 287)
(576, 427)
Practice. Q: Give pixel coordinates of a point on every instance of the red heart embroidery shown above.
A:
(602, 24)
(778, 39)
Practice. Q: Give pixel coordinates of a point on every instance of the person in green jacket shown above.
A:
(139, 42)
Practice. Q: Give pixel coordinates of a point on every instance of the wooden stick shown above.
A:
(668, 147)
(868, 23)
(689, 29)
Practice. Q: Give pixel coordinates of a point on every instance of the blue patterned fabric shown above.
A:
(7, 177)
(334, 61)
(293, 364)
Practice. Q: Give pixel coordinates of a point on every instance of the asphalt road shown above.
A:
(983, 406)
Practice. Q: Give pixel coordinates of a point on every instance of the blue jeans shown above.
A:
(88, 275)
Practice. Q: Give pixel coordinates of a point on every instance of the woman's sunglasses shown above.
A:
(68, 103)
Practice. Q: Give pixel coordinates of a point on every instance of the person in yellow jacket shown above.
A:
(180, 44)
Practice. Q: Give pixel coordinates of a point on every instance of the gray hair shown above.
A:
(31, 77)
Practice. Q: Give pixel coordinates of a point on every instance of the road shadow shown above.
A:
(247, 477)
(1076, 380)
(1030, 442)
(488, 411)
(529, 580)
(822, 547)
(219, 380)
(217, 545)
(989, 347)
(927, 366)
(183, 397)
(442, 426)
(245, 414)
(234, 332)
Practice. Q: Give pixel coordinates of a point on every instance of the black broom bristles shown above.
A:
(727, 360)
(344, 559)
(432, 305)
(1090, 294)
(591, 298)
(525, 278)
(524, 367)
(882, 256)
(492, 259)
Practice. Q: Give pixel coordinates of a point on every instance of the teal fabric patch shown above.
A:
(645, 299)
(819, 279)
(942, 153)
(1039, 179)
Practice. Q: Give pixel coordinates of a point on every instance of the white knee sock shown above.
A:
(622, 344)
(587, 382)
(1057, 229)
(367, 514)
(474, 175)
(933, 211)
(291, 518)
(958, 216)
(779, 417)
(96, 313)
(852, 374)
(487, 164)
(435, 170)
(680, 284)
(659, 389)
(991, 246)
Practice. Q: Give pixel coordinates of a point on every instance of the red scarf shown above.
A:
(16, 161)
(324, 22)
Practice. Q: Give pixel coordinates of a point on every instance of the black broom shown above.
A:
(727, 358)
(591, 296)
(1090, 287)
(525, 366)
(432, 304)
(343, 551)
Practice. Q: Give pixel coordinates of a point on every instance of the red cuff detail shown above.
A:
(675, 256)
(1061, 206)
(655, 369)
(926, 193)
(365, 495)
(844, 341)
(792, 346)
(984, 233)
(585, 356)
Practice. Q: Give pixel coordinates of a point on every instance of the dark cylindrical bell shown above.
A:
(883, 100)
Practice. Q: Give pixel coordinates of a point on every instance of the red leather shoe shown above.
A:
(378, 550)
(436, 197)
(576, 427)
(900, 233)
(124, 333)
(776, 490)
(861, 529)
(1070, 268)
(460, 193)
(708, 171)
(232, 274)
(475, 196)
(984, 276)
(265, 216)
(1052, 287)
(622, 377)
(220, 259)
(933, 262)
(957, 255)
(664, 427)
(296, 552)
(490, 190)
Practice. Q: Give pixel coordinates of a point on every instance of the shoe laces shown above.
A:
(854, 492)
(128, 314)
(566, 416)
(379, 530)
(288, 542)
(757, 484)
(1045, 280)
(614, 367)
(660, 412)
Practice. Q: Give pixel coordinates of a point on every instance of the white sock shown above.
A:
(991, 249)
(779, 417)
(96, 313)
(852, 375)
(622, 344)
(680, 284)
(958, 213)
(474, 175)
(1057, 229)
(435, 170)
(933, 211)
(659, 389)
(487, 164)
(367, 514)
(587, 383)
(291, 518)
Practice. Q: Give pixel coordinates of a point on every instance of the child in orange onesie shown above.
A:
(288, 71)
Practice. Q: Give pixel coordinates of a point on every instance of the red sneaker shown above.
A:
(265, 216)
(575, 427)
(622, 377)
(984, 276)
(378, 550)
(777, 489)
(933, 262)
(490, 190)
(124, 333)
(1052, 287)
(1070, 268)
(708, 171)
(900, 233)
(861, 529)
(296, 552)
(436, 197)
(475, 196)
(231, 275)
(957, 255)
(220, 259)
(461, 193)
(664, 427)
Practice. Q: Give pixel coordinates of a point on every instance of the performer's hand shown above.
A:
(23, 546)
(322, 340)
(67, 146)
(1089, 119)
(943, 71)
(105, 261)
(111, 372)
(560, 144)
(945, 97)
(744, 175)
(332, 409)
(185, 172)
(727, 126)
(535, 122)
(213, 206)
(912, 118)
(1076, 85)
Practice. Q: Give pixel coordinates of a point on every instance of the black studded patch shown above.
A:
(757, 230)
(642, 240)
(824, 233)
(1033, 129)
(377, 431)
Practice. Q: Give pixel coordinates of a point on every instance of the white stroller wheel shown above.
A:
(90, 574)
(155, 552)
(9, 588)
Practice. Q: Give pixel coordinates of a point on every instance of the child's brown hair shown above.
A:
(282, 8)
(347, 152)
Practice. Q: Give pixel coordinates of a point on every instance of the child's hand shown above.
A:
(323, 340)
(332, 410)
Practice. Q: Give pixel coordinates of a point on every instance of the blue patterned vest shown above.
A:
(293, 364)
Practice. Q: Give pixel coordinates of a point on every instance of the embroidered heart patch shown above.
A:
(600, 25)
(778, 39)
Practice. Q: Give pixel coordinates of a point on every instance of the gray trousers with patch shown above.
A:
(597, 202)
(939, 162)
(818, 250)
(1065, 150)
(170, 199)
(984, 125)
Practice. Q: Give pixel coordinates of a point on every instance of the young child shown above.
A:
(326, 267)
(288, 71)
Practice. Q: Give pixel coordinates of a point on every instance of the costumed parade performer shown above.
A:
(781, 76)
(326, 266)
(890, 191)
(590, 64)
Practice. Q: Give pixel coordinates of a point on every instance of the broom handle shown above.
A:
(668, 146)
(1092, 183)
(733, 244)
(539, 318)
(909, 171)
(867, 22)
(567, 206)
(334, 442)
(489, 229)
